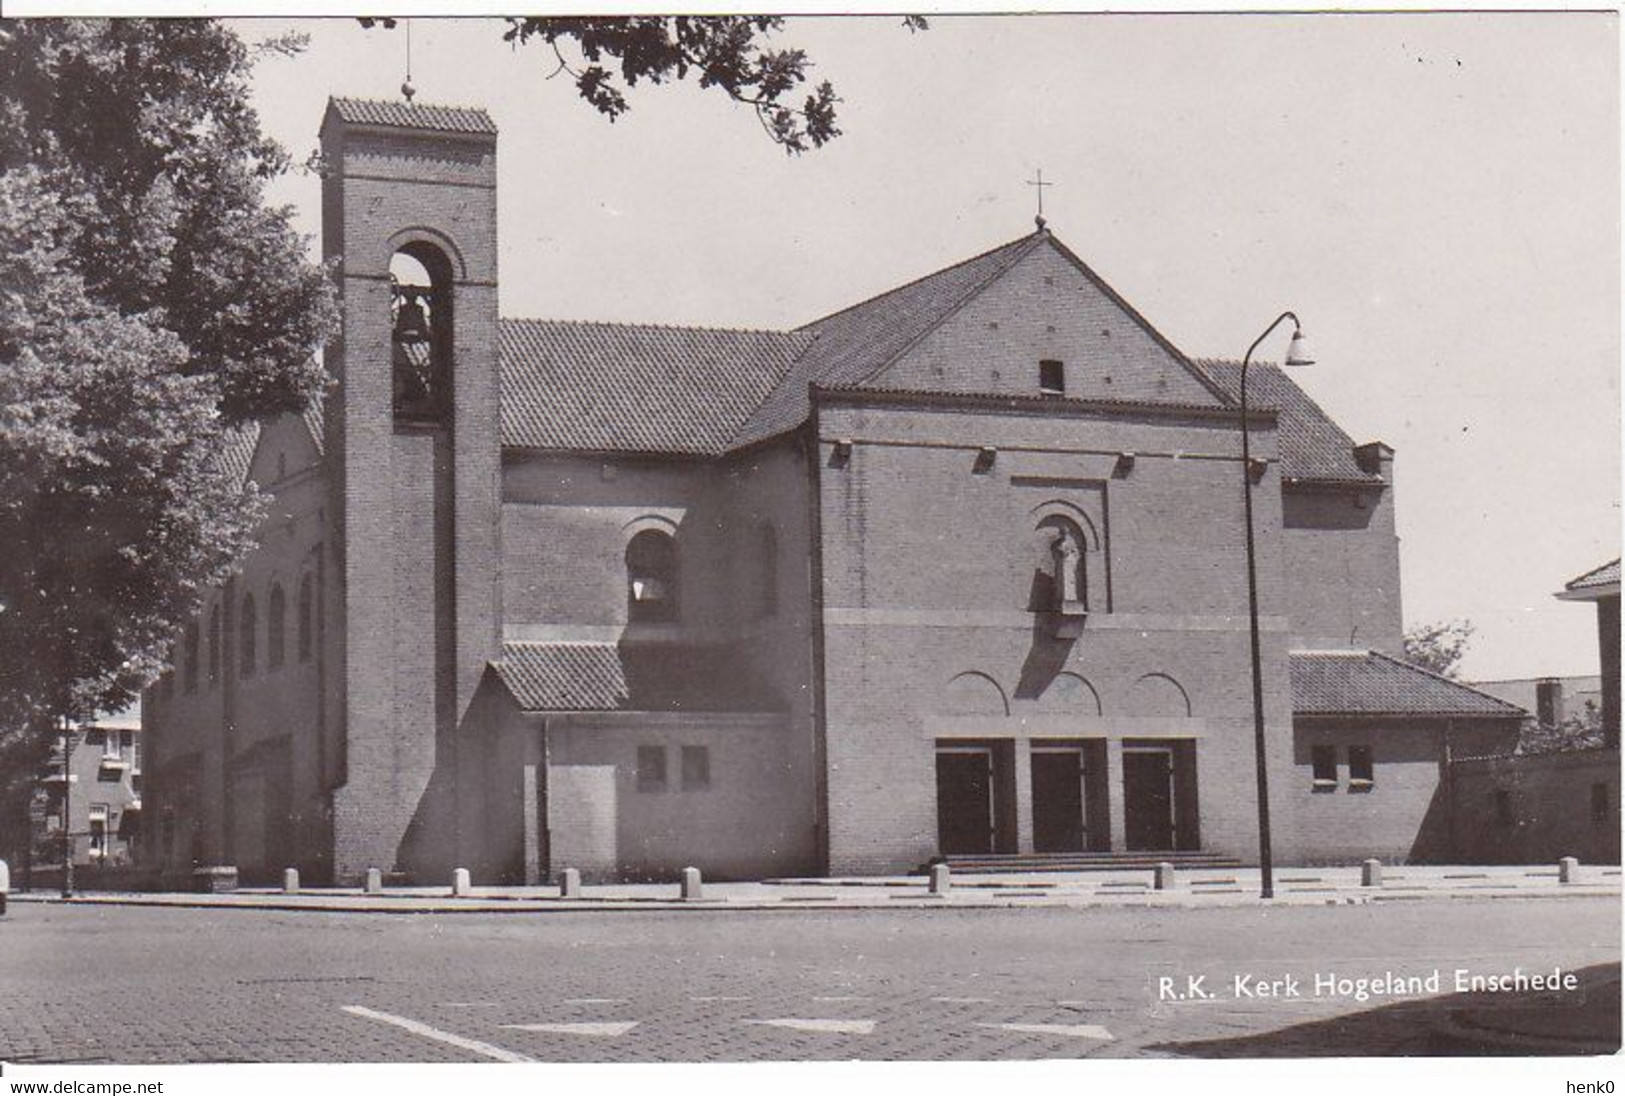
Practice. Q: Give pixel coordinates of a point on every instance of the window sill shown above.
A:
(1321, 787)
(1361, 787)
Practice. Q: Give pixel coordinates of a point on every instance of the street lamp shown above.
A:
(1296, 354)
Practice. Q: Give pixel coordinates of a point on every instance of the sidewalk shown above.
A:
(1194, 889)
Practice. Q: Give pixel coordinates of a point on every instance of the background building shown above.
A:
(103, 813)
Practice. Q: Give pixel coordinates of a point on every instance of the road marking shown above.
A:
(1075, 1031)
(595, 1000)
(469, 1004)
(963, 1000)
(827, 1027)
(586, 1027)
(419, 1028)
(854, 998)
(707, 1000)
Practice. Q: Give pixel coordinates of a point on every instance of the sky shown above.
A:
(1436, 196)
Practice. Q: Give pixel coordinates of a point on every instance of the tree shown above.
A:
(608, 55)
(150, 302)
(1581, 731)
(1439, 646)
(113, 509)
(142, 131)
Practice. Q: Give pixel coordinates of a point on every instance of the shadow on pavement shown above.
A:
(1583, 1022)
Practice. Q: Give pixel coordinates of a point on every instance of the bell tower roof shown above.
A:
(406, 115)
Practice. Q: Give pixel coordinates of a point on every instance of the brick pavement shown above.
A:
(136, 985)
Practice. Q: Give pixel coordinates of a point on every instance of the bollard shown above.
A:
(570, 883)
(1568, 870)
(375, 881)
(5, 885)
(941, 878)
(1371, 873)
(1163, 877)
(691, 885)
(461, 887)
(290, 880)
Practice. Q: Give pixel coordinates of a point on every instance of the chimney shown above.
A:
(1549, 701)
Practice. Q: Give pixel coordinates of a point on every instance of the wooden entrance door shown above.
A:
(1058, 800)
(1148, 799)
(965, 800)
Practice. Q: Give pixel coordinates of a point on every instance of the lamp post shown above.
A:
(67, 807)
(1296, 355)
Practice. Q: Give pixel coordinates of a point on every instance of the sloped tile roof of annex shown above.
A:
(551, 676)
(1312, 445)
(1369, 683)
(444, 119)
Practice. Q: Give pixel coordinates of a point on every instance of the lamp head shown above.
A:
(1298, 352)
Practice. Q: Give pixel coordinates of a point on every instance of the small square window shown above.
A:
(1599, 805)
(1362, 777)
(1052, 378)
(651, 768)
(696, 767)
(1324, 759)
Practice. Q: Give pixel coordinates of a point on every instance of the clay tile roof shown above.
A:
(605, 387)
(377, 112)
(1368, 683)
(610, 677)
(1312, 446)
(316, 423)
(1605, 576)
(563, 677)
(236, 454)
(849, 346)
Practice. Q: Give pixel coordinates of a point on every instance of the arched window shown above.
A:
(1062, 564)
(247, 631)
(307, 609)
(651, 576)
(214, 644)
(274, 627)
(420, 280)
(189, 647)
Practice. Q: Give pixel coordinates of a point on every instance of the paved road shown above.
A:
(134, 985)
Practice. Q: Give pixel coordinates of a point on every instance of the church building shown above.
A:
(959, 570)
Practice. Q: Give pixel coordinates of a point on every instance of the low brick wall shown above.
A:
(1536, 808)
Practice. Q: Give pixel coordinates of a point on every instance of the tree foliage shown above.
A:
(608, 55)
(1439, 646)
(142, 131)
(1580, 731)
(150, 303)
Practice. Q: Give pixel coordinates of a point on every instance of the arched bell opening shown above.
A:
(420, 278)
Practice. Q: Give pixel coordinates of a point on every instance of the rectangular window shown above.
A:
(111, 749)
(1324, 759)
(1599, 805)
(1052, 378)
(1503, 808)
(651, 768)
(696, 767)
(1361, 775)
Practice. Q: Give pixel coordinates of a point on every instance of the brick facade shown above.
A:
(854, 601)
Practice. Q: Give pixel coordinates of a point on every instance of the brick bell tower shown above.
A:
(413, 450)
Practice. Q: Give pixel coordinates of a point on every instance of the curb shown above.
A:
(419, 905)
